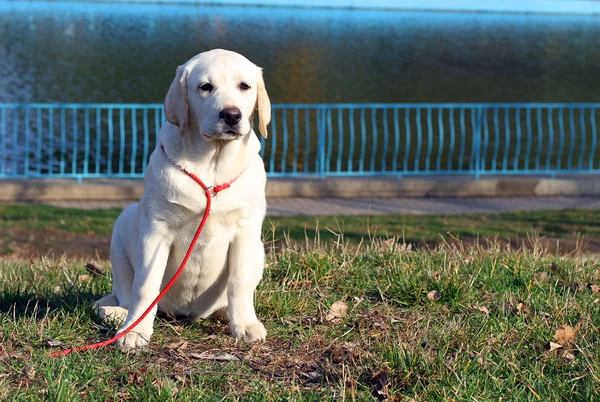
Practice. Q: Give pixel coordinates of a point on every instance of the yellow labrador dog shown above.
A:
(209, 108)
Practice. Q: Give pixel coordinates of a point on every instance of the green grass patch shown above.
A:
(428, 228)
(73, 220)
(413, 229)
(485, 336)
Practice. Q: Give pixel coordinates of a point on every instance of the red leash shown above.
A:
(216, 190)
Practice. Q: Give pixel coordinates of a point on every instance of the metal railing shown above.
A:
(115, 140)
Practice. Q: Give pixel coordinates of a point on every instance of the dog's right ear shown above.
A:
(176, 102)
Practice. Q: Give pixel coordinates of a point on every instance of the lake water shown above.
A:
(82, 52)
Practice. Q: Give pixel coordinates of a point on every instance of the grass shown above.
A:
(560, 224)
(450, 322)
(418, 230)
(486, 335)
(46, 217)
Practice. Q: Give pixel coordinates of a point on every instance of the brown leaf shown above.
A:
(594, 288)
(374, 319)
(83, 278)
(541, 276)
(434, 295)
(29, 371)
(483, 309)
(300, 284)
(567, 355)
(337, 311)
(341, 353)
(565, 335)
(178, 345)
(95, 269)
(136, 377)
(521, 307)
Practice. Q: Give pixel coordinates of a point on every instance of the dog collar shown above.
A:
(216, 189)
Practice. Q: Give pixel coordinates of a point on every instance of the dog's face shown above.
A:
(215, 94)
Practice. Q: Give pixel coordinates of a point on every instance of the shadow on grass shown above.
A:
(32, 302)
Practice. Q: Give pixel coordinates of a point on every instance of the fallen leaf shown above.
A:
(53, 342)
(337, 311)
(565, 335)
(378, 385)
(95, 269)
(135, 377)
(594, 288)
(208, 356)
(178, 345)
(521, 307)
(342, 353)
(300, 284)
(374, 319)
(567, 355)
(83, 278)
(551, 346)
(541, 276)
(434, 295)
(574, 287)
(29, 371)
(483, 309)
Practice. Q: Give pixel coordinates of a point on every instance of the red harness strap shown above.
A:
(216, 190)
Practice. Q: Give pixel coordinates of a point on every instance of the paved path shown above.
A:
(405, 206)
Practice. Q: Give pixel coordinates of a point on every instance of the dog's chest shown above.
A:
(221, 227)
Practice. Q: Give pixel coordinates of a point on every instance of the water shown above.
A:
(82, 52)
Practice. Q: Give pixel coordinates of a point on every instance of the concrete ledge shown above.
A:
(455, 186)
(40, 190)
(43, 190)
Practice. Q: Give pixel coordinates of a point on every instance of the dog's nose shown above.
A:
(231, 115)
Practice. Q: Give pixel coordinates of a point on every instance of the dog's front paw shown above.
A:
(250, 332)
(133, 340)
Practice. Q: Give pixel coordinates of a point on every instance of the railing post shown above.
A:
(477, 140)
(321, 138)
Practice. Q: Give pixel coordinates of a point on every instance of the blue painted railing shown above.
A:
(115, 140)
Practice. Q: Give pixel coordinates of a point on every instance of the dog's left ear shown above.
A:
(263, 104)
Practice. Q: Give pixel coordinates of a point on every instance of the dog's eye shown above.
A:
(205, 87)
(244, 86)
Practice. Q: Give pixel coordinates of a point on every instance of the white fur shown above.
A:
(151, 237)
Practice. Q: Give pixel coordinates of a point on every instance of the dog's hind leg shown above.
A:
(109, 312)
(113, 308)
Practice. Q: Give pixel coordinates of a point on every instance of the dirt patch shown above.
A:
(25, 243)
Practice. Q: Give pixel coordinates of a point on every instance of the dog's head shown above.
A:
(215, 94)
